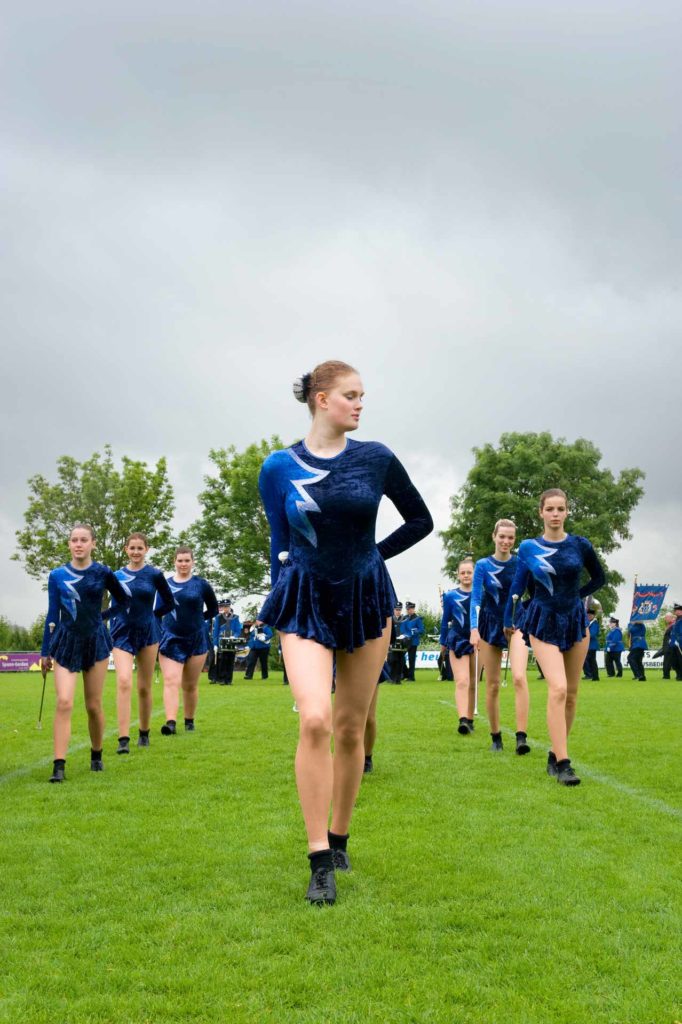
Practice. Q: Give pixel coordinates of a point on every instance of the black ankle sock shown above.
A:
(337, 842)
(171, 721)
(59, 762)
(321, 859)
(95, 755)
(465, 720)
(520, 732)
(144, 732)
(469, 720)
(496, 736)
(189, 721)
(551, 757)
(564, 763)
(124, 739)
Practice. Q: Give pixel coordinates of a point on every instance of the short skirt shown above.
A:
(459, 645)
(491, 628)
(77, 652)
(561, 629)
(341, 614)
(134, 638)
(181, 648)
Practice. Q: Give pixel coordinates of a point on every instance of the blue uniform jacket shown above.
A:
(614, 640)
(221, 627)
(594, 636)
(413, 626)
(637, 631)
(260, 645)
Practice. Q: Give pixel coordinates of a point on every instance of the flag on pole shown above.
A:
(647, 601)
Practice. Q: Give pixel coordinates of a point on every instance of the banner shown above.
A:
(647, 601)
(19, 661)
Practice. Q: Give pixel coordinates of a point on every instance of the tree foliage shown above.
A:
(232, 535)
(114, 501)
(506, 481)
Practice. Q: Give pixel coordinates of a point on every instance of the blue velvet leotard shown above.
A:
(491, 586)
(75, 608)
(555, 613)
(455, 627)
(137, 626)
(333, 586)
(184, 631)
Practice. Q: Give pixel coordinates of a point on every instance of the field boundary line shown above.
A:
(44, 762)
(653, 802)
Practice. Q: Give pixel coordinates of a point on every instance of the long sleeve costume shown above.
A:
(329, 581)
(489, 593)
(184, 633)
(455, 627)
(80, 638)
(137, 625)
(555, 613)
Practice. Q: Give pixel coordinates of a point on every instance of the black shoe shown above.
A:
(168, 729)
(552, 769)
(96, 766)
(463, 728)
(341, 860)
(143, 741)
(369, 767)
(496, 744)
(522, 743)
(189, 725)
(322, 888)
(565, 774)
(123, 745)
(57, 775)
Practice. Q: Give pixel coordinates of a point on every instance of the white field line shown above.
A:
(606, 780)
(45, 761)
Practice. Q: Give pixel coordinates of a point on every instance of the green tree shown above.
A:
(431, 618)
(232, 535)
(114, 501)
(506, 481)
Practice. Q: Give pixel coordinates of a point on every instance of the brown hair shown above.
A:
(324, 377)
(83, 526)
(503, 522)
(136, 536)
(184, 549)
(467, 558)
(553, 492)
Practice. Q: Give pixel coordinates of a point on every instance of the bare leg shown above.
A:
(309, 668)
(172, 678)
(573, 663)
(472, 683)
(65, 688)
(491, 659)
(123, 661)
(146, 660)
(93, 688)
(371, 725)
(560, 710)
(190, 683)
(518, 654)
(461, 673)
(356, 681)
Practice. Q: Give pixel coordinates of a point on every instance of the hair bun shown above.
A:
(301, 387)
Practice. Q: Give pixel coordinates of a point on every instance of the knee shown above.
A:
(520, 683)
(93, 706)
(125, 685)
(64, 705)
(558, 693)
(316, 727)
(144, 690)
(493, 687)
(348, 734)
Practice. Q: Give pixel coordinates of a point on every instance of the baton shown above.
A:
(42, 696)
(515, 598)
(478, 608)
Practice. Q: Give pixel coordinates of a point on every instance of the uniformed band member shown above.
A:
(671, 655)
(613, 649)
(676, 640)
(591, 668)
(637, 634)
(396, 652)
(226, 623)
(260, 637)
(412, 626)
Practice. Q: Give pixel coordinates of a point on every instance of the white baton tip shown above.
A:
(283, 555)
(515, 597)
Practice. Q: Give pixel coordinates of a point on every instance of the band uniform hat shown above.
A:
(677, 607)
(410, 604)
(398, 604)
(614, 619)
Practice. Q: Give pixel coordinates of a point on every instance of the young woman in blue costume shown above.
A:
(185, 640)
(76, 640)
(455, 631)
(135, 634)
(331, 595)
(555, 621)
(492, 583)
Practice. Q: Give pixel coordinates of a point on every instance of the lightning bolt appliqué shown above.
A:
(70, 585)
(174, 591)
(307, 504)
(539, 565)
(458, 607)
(494, 584)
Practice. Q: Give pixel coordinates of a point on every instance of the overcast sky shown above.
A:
(476, 203)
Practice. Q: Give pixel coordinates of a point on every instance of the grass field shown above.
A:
(170, 887)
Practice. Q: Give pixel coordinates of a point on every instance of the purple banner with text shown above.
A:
(19, 661)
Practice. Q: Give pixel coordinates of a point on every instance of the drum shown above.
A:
(228, 643)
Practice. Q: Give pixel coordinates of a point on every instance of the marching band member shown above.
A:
(613, 648)
(226, 623)
(260, 637)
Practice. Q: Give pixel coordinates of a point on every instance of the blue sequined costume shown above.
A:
(184, 631)
(489, 593)
(334, 587)
(80, 638)
(455, 627)
(137, 626)
(555, 613)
